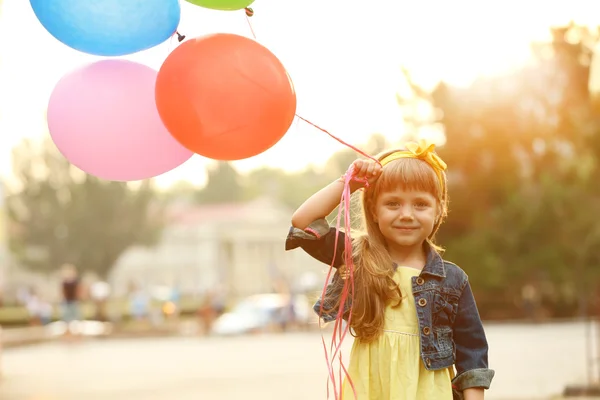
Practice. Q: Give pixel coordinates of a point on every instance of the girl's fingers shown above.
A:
(344, 273)
(371, 170)
(374, 173)
(366, 169)
(376, 170)
(358, 164)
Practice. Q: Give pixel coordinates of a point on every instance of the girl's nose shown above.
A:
(406, 212)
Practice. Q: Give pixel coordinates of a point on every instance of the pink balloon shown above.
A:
(103, 119)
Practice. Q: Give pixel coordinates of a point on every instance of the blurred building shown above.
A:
(238, 248)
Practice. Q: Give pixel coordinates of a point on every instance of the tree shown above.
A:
(291, 189)
(522, 149)
(60, 214)
(223, 185)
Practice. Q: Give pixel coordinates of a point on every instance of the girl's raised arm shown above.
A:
(322, 203)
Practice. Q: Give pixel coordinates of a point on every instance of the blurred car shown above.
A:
(262, 312)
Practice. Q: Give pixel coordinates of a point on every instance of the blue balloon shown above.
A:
(109, 27)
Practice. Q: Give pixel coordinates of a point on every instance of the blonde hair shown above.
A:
(374, 286)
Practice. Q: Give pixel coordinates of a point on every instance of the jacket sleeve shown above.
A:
(319, 241)
(332, 295)
(471, 345)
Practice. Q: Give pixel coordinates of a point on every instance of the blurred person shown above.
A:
(139, 303)
(292, 322)
(208, 311)
(72, 293)
(219, 300)
(45, 312)
(100, 292)
(40, 311)
(22, 294)
(172, 308)
(32, 304)
(413, 314)
(530, 301)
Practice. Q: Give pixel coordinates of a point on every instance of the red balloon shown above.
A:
(225, 97)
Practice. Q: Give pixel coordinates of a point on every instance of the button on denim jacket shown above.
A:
(451, 332)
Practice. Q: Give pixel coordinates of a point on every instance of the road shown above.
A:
(531, 362)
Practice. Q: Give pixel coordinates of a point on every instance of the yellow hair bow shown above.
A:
(423, 150)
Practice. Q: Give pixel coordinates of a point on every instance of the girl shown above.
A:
(413, 314)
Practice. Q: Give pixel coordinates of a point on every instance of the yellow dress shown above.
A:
(390, 368)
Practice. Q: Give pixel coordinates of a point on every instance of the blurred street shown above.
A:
(266, 367)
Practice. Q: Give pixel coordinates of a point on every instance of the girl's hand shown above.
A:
(367, 170)
(344, 272)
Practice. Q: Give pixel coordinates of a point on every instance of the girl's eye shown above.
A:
(392, 204)
(422, 205)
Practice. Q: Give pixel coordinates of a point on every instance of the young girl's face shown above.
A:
(405, 218)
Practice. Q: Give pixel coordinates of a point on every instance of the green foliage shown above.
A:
(61, 215)
(223, 185)
(523, 150)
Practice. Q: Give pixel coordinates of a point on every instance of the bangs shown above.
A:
(409, 174)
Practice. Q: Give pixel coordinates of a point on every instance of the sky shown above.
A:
(344, 59)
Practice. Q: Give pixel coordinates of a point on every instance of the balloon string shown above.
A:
(250, 25)
(338, 139)
(170, 48)
(348, 288)
(313, 124)
(180, 38)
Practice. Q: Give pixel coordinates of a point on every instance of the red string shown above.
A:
(315, 125)
(348, 289)
(338, 139)
(250, 25)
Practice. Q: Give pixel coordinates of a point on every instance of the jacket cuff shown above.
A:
(325, 316)
(474, 378)
(314, 231)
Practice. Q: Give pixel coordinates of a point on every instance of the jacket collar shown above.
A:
(435, 263)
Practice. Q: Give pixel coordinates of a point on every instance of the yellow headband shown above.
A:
(422, 151)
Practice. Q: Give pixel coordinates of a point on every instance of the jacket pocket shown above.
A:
(443, 339)
(445, 308)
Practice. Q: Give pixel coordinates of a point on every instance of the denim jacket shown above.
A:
(451, 332)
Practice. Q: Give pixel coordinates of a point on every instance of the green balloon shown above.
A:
(226, 5)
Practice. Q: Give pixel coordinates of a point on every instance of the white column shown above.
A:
(239, 267)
